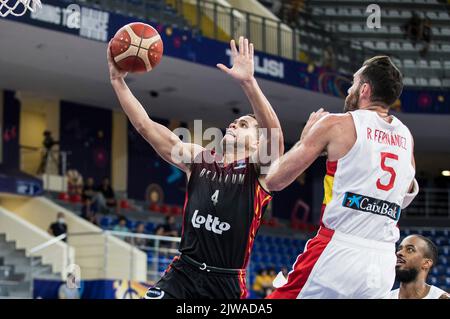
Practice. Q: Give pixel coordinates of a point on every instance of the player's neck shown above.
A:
(375, 107)
(380, 110)
(416, 289)
(234, 155)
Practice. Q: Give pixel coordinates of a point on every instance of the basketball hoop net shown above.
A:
(18, 7)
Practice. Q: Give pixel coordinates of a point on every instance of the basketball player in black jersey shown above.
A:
(226, 193)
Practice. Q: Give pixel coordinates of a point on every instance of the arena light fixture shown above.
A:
(446, 173)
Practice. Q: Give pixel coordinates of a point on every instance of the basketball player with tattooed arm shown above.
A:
(369, 178)
(226, 195)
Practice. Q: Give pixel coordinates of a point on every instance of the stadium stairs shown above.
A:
(17, 269)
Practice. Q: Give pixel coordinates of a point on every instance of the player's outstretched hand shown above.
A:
(114, 72)
(243, 67)
(313, 119)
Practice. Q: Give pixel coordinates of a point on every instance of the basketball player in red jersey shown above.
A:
(226, 195)
(369, 179)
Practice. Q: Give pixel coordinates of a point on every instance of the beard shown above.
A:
(352, 101)
(406, 275)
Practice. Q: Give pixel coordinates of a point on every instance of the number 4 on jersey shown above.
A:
(215, 197)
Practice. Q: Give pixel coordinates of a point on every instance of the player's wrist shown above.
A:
(115, 80)
(248, 82)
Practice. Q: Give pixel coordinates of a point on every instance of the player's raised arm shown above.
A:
(164, 141)
(243, 72)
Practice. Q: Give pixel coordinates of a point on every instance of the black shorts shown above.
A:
(182, 280)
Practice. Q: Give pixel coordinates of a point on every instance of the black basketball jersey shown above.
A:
(222, 211)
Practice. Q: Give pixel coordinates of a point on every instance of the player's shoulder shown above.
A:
(335, 119)
(399, 122)
(336, 123)
(403, 129)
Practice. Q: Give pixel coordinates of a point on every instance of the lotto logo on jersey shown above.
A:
(211, 224)
(371, 205)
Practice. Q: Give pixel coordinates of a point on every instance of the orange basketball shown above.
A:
(137, 48)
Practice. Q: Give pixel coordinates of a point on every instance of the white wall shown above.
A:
(98, 255)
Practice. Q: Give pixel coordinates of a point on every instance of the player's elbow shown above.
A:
(142, 127)
(273, 184)
(275, 187)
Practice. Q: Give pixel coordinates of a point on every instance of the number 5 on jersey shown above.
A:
(215, 197)
(388, 169)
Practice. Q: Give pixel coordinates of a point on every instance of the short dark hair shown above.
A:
(253, 116)
(432, 250)
(384, 78)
